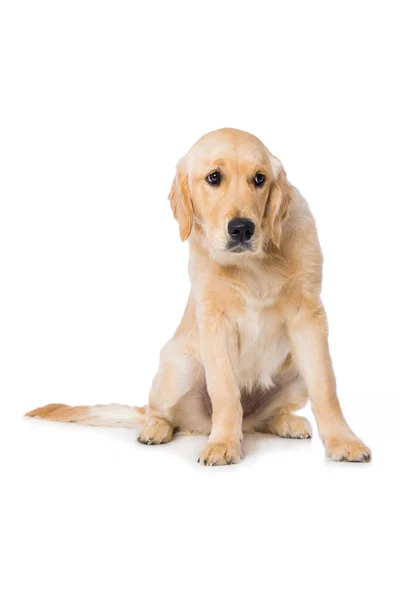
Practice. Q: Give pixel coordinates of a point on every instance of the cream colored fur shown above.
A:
(253, 341)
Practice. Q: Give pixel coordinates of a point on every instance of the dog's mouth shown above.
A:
(239, 247)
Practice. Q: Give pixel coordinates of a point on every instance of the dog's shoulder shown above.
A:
(301, 249)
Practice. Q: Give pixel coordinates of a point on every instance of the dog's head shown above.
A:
(231, 193)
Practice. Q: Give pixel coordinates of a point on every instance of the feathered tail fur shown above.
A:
(103, 415)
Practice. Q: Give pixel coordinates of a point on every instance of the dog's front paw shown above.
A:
(348, 449)
(220, 453)
(156, 431)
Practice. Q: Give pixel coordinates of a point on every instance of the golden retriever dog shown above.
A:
(252, 345)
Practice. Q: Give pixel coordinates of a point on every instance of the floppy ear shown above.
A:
(278, 204)
(181, 202)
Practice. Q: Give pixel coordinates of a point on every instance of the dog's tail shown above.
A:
(103, 415)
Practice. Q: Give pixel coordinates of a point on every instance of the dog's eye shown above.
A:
(214, 178)
(259, 179)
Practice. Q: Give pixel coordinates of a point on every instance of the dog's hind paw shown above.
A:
(156, 431)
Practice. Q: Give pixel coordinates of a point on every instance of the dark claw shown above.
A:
(365, 457)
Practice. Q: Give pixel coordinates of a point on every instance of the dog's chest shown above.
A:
(263, 343)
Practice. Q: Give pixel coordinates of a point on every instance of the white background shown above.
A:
(98, 102)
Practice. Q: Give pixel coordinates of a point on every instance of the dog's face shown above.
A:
(231, 193)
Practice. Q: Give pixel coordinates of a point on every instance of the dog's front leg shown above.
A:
(308, 332)
(219, 348)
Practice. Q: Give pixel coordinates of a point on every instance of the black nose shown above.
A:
(241, 230)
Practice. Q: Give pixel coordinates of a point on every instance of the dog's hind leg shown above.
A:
(175, 396)
(277, 416)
